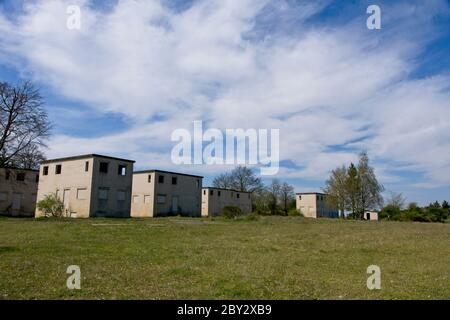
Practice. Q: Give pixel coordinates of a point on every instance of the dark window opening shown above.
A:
(122, 171)
(204, 192)
(45, 171)
(218, 193)
(149, 178)
(20, 176)
(86, 166)
(104, 167)
(160, 179)
(211, 192)
(174, 180)
(237, 195)
(58, 169)
(37, 178)
(7, 174)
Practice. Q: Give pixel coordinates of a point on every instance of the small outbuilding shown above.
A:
(371, 215)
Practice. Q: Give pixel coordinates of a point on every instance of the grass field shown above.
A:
(182, 258)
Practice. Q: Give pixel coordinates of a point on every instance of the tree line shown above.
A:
(396, 210)
(354, 189)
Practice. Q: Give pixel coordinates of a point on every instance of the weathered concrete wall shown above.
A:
(170, 197)
(214, 199)
(314, 205)
(79, 183)
(18, 198)
(143, 195)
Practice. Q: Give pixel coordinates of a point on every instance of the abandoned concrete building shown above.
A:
(315, 205)
(18, 191)
(89, 185)
(162, 193)
(215, 199)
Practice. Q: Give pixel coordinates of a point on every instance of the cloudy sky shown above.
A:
(137, 70)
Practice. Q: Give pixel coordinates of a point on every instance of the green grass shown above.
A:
(182, 258)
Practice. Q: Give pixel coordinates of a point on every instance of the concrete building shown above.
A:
(89, 185)
(371, 215)
(18, 191)
(214, 199)
(163, 193)
(314, 205)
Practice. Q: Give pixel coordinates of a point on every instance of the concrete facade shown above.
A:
(18, 191)
(314, 205)
(214, 199)
(371, 215)
(162, 193)
(89, 185)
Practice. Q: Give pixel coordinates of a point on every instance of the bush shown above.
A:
(231, 212)
(414, 213)
(295, 213)
(390, 212)
(51, 206)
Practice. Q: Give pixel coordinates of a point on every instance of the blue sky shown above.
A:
(137, 70)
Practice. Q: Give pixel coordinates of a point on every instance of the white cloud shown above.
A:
(322, 87)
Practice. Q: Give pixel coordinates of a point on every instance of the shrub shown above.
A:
(231, 212)
(431, 213)
(51, 205)
(390, 212)
(295, 213)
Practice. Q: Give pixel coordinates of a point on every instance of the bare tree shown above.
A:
(225, 180)
(244, 179)
(286, 195)
(29, 158)
(396, 200)
(241, 178)
(24, 124)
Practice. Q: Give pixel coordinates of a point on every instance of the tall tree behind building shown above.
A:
(369, 194)
(240, 178)
(335, 188)
(355, 189)
(24, 125)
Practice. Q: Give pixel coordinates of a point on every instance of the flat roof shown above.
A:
(168, 172)
(84, 156)
(312, 193)
(16, 168)
(225, 189)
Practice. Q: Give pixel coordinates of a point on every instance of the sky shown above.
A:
(137, 70)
